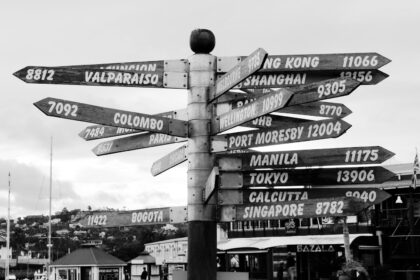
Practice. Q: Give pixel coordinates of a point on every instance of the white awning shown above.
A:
(275, 241)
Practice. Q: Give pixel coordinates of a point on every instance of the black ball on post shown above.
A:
(202, 41)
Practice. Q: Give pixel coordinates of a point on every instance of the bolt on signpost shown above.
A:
(221, 185)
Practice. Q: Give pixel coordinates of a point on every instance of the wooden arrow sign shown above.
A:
(180, 65)
(154, 216)
(170, 160)
(94, 132)
(262, 106)
(101, 77)
(135, 142)
(281, 98)
(94, 114)
(301, 158)
(303, 62)
(211, 184)
(289, 79)
(238, 73)
(308, 131)
(273, 196)
(328, 207)
(272, 120)
(317, 109)
(307, 177)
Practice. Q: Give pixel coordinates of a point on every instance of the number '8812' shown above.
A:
(40, 74)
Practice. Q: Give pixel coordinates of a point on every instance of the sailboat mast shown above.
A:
(6, 272)
(49, 245)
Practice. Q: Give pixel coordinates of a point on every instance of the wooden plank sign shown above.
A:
(301, 158)
(288, 79)
(239, 72)
(102, 77)
(211, 184)
(95, 132)
(94, 114)
(279, 99)
(180, 65)
(154, 216)
(328, 207)
(317, 109)
(306, 177)
(170, 160)
(272, 120)
(135, 142)
(308, 131)
(262, 106)
(314, 62)
(278, 195)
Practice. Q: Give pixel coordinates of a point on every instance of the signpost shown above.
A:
(313, 130)
(306, 177)
(301, 95)
(94, 132)
(170, 160)
(300, 158)
(296, 78)
(238, 73)
(318, 109)
(304, 62)
(135, 142)
(94, 114)
(152, 216)
(280, 98)
(102, 77)
(279, 195)
(307, 78)
(311, 208)
(180, 65)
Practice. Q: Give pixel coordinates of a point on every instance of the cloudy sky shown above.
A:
(53, 33)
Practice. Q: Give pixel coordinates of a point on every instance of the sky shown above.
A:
(55, 33)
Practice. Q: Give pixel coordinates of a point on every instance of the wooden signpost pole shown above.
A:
(202, 242)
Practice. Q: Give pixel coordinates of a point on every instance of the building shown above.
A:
(384, 235)
(88, 264)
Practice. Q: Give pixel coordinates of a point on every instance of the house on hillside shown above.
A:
(88, 263)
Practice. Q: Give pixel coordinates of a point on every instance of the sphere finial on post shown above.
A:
(202, 41)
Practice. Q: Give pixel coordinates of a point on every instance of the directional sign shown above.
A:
(180, 65)
(288, 79)
(343, 61)
(274, 196)
(152, 216)
(307, 177)
(318, 109)
(307, 131)
(135, 142)
(94, 132)
(239, 72)
(329, 207)
(102, 77)
(94, 114)
(274, 101)
(300, 158)
(170, 160)
(262, 106)
(211, 184)
(272, 120)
